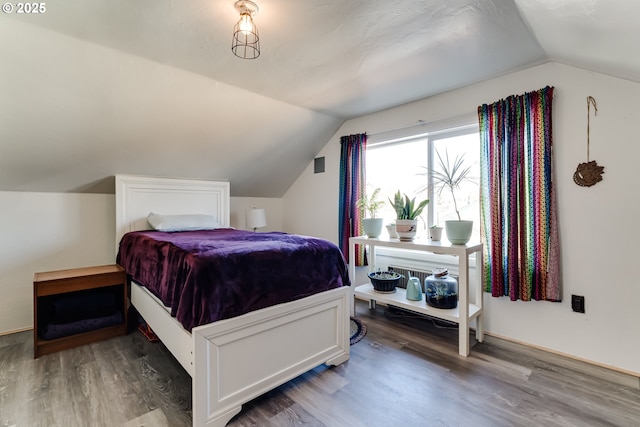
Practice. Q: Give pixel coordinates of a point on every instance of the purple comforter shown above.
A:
(211, 275)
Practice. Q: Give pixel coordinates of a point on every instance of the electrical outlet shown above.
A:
(577, 303)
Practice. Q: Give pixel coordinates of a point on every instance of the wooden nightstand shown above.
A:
(63, 300)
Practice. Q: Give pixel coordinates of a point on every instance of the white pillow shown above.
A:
(182, 222)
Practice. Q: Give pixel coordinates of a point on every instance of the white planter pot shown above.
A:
(372, 227)
(435, 233)
(406, 229)
(458, 232)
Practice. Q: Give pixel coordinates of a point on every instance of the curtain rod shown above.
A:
(420, 123)
(455, 121)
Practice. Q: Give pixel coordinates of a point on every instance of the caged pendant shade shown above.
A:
(246, 42)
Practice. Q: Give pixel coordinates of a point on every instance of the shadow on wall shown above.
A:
(102, 186)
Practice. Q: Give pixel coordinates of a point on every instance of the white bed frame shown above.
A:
(235, 360)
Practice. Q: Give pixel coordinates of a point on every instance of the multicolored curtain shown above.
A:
(518, 198)
(352, 188)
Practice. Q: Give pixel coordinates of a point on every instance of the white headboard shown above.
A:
(136, 196)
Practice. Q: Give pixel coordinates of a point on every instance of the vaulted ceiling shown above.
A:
(91, 88)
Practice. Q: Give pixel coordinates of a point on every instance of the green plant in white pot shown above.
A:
(450, 176)
(407, 213)
(369, 205)
(435, 233)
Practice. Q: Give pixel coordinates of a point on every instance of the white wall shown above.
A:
(596, 224)
(311, 203)
(272, 207)
(57, 231)
(44, 232)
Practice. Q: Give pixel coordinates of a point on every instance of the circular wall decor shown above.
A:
(588, 174)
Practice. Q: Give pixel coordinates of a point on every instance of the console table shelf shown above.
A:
(462, 314)
(399, 299)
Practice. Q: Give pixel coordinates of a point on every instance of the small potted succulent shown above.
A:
(369, 205)
(407, 213)
(391, 229)
(435, 233)
(385, 281)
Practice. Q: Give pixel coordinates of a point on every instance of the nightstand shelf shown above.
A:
(462, 314)
(58, 298)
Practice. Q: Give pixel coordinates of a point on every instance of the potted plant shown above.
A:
(435, 233)
(407, 213)
(391, 229)
(449, 177)
(369, 205)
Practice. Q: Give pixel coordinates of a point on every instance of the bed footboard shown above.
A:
(239, 359)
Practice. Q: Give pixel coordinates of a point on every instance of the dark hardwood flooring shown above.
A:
(405, 372)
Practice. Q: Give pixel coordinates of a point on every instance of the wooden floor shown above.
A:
(405, 372)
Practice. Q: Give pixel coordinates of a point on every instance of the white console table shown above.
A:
(461, 315)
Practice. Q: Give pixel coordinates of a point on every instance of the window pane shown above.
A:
(397, 167)
(468, 194)
(404, 166)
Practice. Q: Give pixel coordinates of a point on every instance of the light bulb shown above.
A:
(246, 24)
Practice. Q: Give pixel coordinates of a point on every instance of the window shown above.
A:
(404, 163)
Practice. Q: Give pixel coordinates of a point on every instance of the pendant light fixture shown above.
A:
(246, 42)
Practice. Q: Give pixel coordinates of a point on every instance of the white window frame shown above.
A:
(461, 125)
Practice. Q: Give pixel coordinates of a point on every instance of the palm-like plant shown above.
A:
(370, 204)
(451, 176)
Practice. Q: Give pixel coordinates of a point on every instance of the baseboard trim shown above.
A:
(600, 370)
(15, 331)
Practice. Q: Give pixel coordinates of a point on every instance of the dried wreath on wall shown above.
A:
(588, 173)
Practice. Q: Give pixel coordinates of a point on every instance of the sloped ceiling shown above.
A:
(92, 88)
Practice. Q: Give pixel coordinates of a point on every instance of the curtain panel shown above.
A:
(352, 188)
(518, 198)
